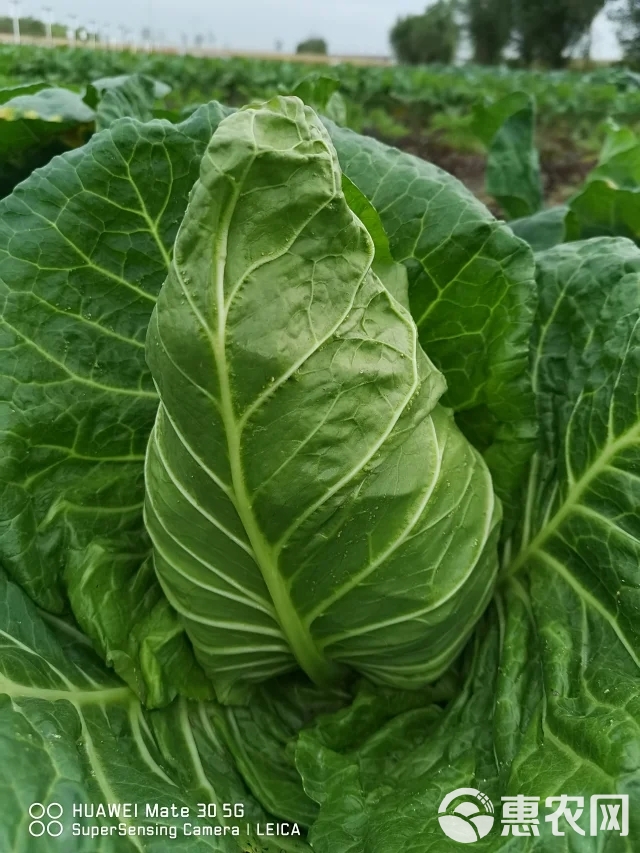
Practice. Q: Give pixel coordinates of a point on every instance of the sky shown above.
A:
(349, 26)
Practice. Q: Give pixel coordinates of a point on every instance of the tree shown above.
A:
(546, 30)
(28, 26)
(32, 27)
(628, 19)
(489, 25)
(430, 37)
(313, 45)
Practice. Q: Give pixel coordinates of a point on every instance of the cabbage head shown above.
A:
(310, 502)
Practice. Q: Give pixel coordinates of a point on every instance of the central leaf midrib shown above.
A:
(573, 497)
(102, 696)
(317, 667)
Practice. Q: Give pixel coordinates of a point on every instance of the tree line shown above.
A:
(32, 27)
(536, 32)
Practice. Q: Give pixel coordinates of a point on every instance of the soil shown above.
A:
(563, 172)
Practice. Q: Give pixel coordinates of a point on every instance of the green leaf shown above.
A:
(507, 128)
(551, 705)
(336, 109)
(316, 90)
(322, 93)
(299, 429)
(392, 274)
(37, 122)
(380, 789)
(129, 95)
(602, 208)
(9, 92)
(543, 230)
(471, 294)
(609, 203)
(84, 248)
(618, 140)
(55, 105)
(581, 517)
(72, 733)
(260, 736)
(107, 84)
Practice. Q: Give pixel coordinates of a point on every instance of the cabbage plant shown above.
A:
(318, 495)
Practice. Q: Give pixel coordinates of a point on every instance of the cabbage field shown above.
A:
(319, 482)
(427, 111)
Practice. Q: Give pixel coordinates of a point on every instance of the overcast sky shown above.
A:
(350, 26)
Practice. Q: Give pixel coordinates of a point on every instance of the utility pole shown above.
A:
(150, 26)
(71, 30)
(105, 35)
(47, 14)
(14, 7)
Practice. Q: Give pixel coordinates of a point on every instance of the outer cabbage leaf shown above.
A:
(84, 249)
(543, 230)
(261, 738)
(379, 770)
(108, 84)
(262, 735)
(309, 501)
(552, 705)
(128, 95)
(392, 274)
(38, 121)
(609, 203)
(618, 140)
(507, 128)
(471, 293)
(619, 159)
(604, 209)
(9, 92)
(73, 733)
(322, 93)
(59, 106)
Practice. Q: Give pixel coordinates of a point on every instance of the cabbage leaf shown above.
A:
(471, 293)
(84, 248)
(551, 704)
(300, 460)
(73, 733)
(507, 129)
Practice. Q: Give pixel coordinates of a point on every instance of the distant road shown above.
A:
(7, 38)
